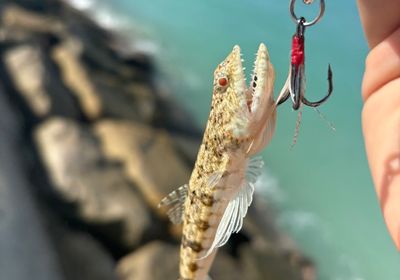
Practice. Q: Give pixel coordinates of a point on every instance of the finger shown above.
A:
(380, 18)
(381, 127)
(382, 64)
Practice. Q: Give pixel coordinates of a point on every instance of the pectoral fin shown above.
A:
(214, 179)
(232, 219)
(254, 168)
(175, 202)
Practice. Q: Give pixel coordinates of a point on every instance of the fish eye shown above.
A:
(222, 82)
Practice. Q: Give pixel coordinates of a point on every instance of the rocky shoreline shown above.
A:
(89, 145)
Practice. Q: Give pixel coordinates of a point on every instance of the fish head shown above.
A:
(242, 111)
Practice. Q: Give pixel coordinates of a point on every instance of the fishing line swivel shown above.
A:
(296, 83)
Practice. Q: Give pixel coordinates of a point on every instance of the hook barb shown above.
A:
(323, 100)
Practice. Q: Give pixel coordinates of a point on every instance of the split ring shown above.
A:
(307, 23)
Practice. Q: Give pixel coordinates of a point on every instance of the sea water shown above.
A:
(322, 187)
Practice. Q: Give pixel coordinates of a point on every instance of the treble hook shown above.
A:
(296, 83)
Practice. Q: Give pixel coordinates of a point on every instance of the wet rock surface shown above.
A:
(26, 251)
(159, 261)
(147, 156)
(89, 144)
(83, 257)
(153, 261)
(99, 190)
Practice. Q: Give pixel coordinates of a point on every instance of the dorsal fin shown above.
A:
(175, 202)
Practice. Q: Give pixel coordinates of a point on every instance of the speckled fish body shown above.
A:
(214, 202)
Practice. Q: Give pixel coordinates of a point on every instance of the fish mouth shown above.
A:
(249, 95)
(246, 104)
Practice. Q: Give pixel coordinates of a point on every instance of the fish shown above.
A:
(241, 123)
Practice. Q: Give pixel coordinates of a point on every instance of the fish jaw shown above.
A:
(262, 107)
(261, 85)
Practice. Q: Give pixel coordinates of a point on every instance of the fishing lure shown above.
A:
(220, 190)
(296, 82)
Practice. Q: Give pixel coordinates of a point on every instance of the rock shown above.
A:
(100, 93)
(14, 17)
(268, 253)
(26, 66)
(37, 80)
(124, 99)
(148, 157)
(94, 39)
(260, 225)
(226, 268)
(155, 261)
(25, 249)
(174, 118)
(266, 263)
(160, 261)
(36, 5)
(80, 175)
(187, 146)
(80, 255)
(75, 77)
(144, 97)
(100, 51)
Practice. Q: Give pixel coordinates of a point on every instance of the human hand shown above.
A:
(381, 112)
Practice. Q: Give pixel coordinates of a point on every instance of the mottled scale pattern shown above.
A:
(223, 154)
(212, 158)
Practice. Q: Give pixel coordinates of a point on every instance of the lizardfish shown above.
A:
(215, 201)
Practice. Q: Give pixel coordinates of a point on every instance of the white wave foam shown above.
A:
(100, 12)
(268, 186)
(81, 4)
(299, 220)
(105, 16)
(109, 19)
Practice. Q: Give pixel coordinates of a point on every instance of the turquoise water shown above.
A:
(322, 187)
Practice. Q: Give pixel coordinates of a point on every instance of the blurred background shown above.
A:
(96, 99)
